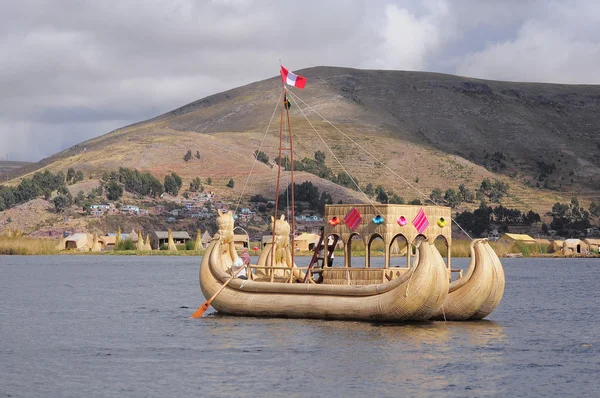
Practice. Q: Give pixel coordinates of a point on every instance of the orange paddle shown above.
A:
(200, 311)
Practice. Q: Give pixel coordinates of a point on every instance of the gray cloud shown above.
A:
(72, 69)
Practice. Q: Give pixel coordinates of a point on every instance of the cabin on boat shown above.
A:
(80, 241)
(593, 244)
(159, 238)
(306, 242)
(396, 225)
(574, 246)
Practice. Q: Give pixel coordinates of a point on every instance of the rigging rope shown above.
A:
(370, 154)
(332, 153)
(256, 155)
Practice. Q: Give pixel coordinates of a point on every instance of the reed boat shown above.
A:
(421, 289)
(382, 294)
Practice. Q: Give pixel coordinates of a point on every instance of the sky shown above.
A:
(71, 70)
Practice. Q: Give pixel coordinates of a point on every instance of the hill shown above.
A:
(433, 130)
(10, 169)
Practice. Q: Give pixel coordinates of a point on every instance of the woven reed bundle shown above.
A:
(171, 242)
(497, 289)
(61, 243)
(118, 237)
(140, 245)
(96, 246)
(147, 245)
(198, 241)
(468, 294)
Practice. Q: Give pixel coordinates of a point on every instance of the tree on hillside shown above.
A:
(197, 155)
(61, 203)
(171, 185)
(436, 196)
(114, 190)
(195, 184)
(467, 195)
(209, 180)
(261, 156)
(79, 176)
(177, 179)
(188, 155)
(369, 189)
(70, 174)
(231, 183)
(452, 197)
(397, 200)
(382, 196)
(595, 209)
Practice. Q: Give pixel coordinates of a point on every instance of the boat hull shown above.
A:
(415, 296)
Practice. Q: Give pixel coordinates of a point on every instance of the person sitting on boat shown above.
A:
(238, 268)
(245, 257)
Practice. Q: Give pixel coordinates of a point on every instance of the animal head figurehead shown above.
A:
(281, 227)
(225, 224)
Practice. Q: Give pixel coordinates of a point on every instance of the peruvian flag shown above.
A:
(291, 79)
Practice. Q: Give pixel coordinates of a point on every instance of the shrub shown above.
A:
(126, 244)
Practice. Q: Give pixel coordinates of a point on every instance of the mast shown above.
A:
(284, 119)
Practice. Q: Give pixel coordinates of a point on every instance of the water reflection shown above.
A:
(443, 354)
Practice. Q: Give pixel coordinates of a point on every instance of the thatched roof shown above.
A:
(108, 240)
(240, 238)
(206, 238)
(572, 242)
(79, 241)
(310, 238)
(176, 235)
(518, 237)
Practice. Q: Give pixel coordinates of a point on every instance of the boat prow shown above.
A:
(477, 293)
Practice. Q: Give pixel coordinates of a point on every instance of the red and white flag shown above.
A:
(291, 79)
(420, 222)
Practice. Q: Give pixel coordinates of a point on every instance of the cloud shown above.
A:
(556, 47)
(74, 69)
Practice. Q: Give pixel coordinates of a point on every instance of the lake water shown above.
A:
(88, 326)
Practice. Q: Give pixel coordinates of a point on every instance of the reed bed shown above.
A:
(23, 245)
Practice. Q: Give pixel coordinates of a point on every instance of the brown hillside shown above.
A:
(439, 130)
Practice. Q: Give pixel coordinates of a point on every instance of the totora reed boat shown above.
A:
(419, 289)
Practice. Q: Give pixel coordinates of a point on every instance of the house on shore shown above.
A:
(574, 246)
(240, 241)
(517, 238)
(306, 242)
(592, 244)
(80, 241)
(158, 238)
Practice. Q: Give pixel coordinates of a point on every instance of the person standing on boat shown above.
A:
(330, 250)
